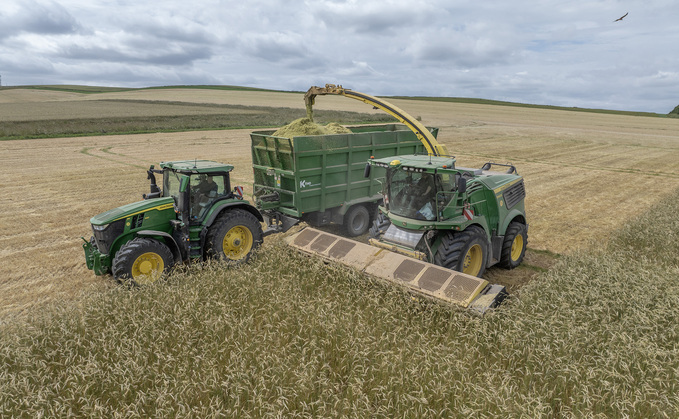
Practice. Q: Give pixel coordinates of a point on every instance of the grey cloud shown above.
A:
(373, 18)
(274, 46)
(37, 18)
(139, 75)
(159, 56)
(176, 30)
(462, 48)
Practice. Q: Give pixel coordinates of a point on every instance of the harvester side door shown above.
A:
(447, 189)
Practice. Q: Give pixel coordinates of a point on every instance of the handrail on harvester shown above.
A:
(433, 147)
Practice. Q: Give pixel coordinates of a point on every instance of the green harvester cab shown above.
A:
(196, 215)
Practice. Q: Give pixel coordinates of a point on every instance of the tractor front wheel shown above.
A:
(142, 260)
(465, 251)
(514, 245)
(234, 236)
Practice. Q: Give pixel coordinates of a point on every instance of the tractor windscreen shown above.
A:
(170, 183)
(205, 189)
(412, 195)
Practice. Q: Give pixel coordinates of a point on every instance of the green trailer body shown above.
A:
(320, 178)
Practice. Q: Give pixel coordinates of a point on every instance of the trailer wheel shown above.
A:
(142, 260)
(514, 245)
(356, 221)
(465, 251)
(380, 225)
(233, 237)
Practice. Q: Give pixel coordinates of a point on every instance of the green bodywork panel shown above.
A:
(123, 223)
(155, 207)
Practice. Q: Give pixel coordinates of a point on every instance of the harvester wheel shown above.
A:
(514, 245)
(142, 260)
(464, 251)
(234, 236)
(380, 225)
(356, 221)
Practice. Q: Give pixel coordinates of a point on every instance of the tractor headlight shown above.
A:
(106, 234)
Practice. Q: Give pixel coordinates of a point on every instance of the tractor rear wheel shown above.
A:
(465, 251)
(514, 245)
(234, 236)
(380, 225)
(356, 221)
(142, 260)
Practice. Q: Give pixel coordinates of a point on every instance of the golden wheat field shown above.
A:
(585, 173)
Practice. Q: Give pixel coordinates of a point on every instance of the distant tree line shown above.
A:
(675, 112)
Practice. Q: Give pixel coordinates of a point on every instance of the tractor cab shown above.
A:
(206, 183)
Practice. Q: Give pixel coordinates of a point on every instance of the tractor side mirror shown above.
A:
(366, 172)
(155, 190)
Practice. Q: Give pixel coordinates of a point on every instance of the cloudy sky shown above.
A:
(555, 52)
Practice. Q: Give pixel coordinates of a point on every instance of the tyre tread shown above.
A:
(125, 257)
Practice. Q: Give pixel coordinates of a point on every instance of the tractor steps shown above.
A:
(424, 278)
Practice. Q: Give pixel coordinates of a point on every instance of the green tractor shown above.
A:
(197, 215)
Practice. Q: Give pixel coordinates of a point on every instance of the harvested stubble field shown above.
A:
(585, 173)
(572, 332)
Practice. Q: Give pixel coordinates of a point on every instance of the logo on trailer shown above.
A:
(238, 191)
(305, 183)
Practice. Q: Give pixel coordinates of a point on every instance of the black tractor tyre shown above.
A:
(142, 260)
(356, 221)
(514, 245)
(233, 237)
(379, 226)
(464, 251)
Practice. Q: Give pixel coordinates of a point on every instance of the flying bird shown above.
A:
(621, 18)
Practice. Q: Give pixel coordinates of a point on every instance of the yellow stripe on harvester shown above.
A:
(507, 185)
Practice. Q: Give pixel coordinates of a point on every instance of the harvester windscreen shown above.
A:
(412, 195)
